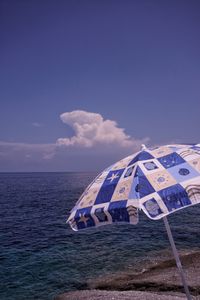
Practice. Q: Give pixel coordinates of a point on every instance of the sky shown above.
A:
(84, 83)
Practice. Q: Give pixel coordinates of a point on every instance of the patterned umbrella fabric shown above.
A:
(158, 181)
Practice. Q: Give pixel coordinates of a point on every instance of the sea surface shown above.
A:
(40, 256)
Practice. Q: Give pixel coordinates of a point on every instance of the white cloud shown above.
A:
(94, 137)
(45, 151)
(91, 129)
(36, 124)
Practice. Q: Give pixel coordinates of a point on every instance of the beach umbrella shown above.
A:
(158, 181)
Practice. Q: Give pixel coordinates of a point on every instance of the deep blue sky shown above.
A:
(134, 62)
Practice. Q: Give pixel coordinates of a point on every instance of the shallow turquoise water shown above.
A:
(41, 256)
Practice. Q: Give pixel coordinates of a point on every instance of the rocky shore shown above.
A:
(157, 280)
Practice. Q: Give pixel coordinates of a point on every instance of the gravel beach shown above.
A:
(159, 280)
(116, 295)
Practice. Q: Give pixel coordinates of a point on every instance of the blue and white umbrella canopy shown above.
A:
(158, 181)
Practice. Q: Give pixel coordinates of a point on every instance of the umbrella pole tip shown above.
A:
(143, 147)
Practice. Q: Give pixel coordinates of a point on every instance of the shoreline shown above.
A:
(118, 295)
(157, 280)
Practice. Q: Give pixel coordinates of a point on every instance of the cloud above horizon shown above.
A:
(17, 149)
(94, 137)
(36, 124)
(90, 129)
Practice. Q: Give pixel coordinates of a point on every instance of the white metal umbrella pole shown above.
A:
(178, 262)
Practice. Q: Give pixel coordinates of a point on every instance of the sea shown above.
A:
(41, 257)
